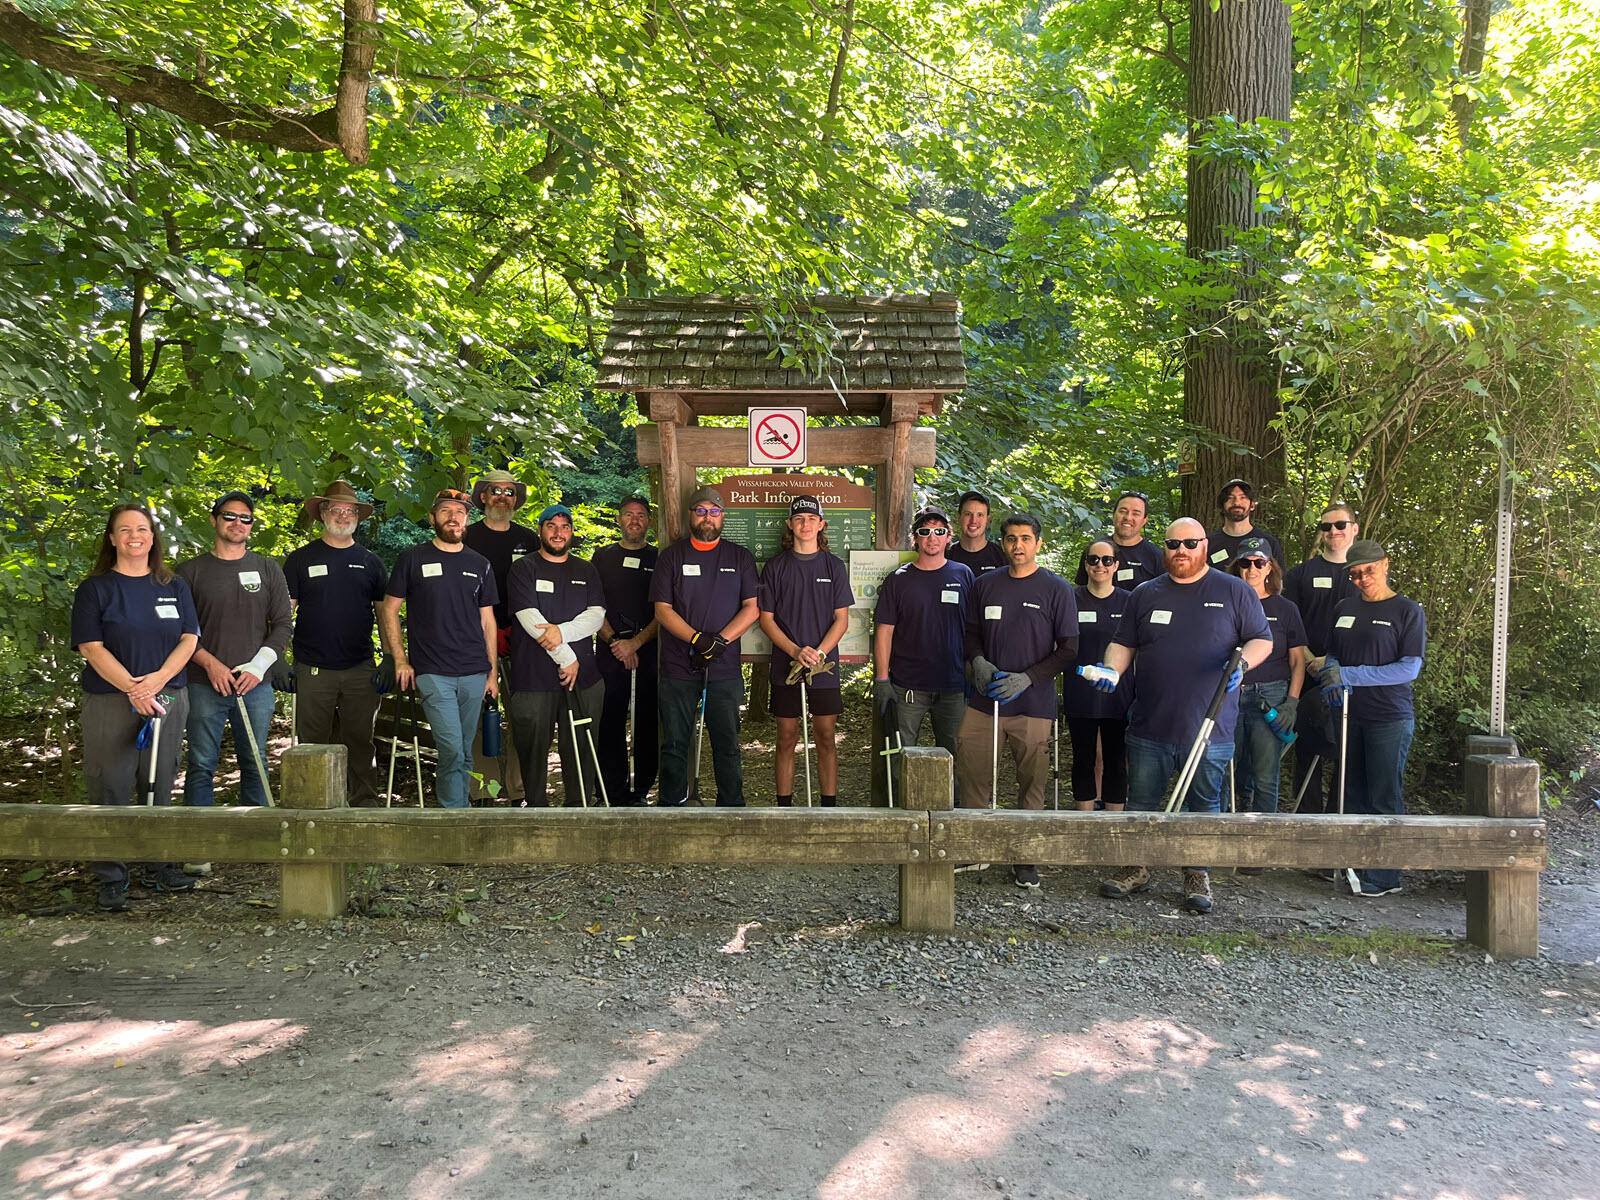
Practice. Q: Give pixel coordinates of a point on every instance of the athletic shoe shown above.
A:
(1028, 877)
(1125, 883)
(168, 879)
(114, 897)
(1197, 891)
(204, 869)
(1371, 889)
(972, 867)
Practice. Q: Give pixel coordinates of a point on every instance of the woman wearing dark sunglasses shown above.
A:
(1097, 722)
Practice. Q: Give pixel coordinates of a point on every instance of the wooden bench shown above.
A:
(313, 835)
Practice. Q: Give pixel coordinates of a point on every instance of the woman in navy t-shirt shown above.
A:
(134, 623)
(1272, 686)
(1096, 721)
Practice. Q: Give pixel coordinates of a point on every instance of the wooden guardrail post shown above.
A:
(928, 888)
(313, 778)
(1503, 906)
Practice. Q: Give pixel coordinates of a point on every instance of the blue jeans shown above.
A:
(1257, 751)
(209, 714)
(452, 704)
(679, 700)
(1152, 764)
(1375, 770)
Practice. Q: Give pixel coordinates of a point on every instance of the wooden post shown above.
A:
(1503, 906)
(313, 777)
(928, 889)
(1491, 743)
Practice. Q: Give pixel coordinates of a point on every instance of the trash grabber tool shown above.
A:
(1055, 761)
(1207, 723)
(577, 751)
(149, 738)
(1344, 742)
(394, 752)
(699, 736)
(1316, 765)
(805, 738)
(255, 748)
(994, 761)
(1233, 789)
(633, 733)
(416, 744)
(891, 747)
(594, 755)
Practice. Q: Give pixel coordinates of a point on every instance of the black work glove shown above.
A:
(1287, 707)
(705, 648)
(383, 678)
(282, 676)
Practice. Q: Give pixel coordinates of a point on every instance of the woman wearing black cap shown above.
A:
(1272, 687)
(1097, 721)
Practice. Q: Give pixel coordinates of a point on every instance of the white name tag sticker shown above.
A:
(950, 596)
(1322, 581)
(1219, 556)
(517, 554)
(991, 612)
(432, 570)
(691, 568)
(1345, 623)
(1161, 616)
(544, 585)
(167, 612)
(631, 563)
(250, 580)
(317, 571)
(1125, 574)
(1088, 618)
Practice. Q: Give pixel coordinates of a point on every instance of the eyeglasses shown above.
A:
(1329, 526)
(501, 491)
(1363, 572)
(707, 512)
(341, 510)
(241, 518)
(1253, 564)
(932, 531)
(1100, 560)
(1186, 543)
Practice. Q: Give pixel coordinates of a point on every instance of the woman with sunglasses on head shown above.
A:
(1270, 694)
(1096, 721)
(134, 623)
(1374, 653)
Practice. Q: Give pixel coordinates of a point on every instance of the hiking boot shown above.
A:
(204, 869)
(1125, 883)
(1197, 891)
(166, 878)
(114, 897)
(1027, 877)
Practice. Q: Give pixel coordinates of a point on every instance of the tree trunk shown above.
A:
(1239, 67)
(1474, 34)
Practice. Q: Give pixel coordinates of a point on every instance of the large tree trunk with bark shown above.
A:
(1240, 67)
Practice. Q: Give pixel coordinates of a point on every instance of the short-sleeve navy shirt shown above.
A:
(502, 547)
(1374, 634)
(560, 591)
(1138, 563)
(443, 591)
(1018, 623)
(1317, 587)
(1287, 633)
(802, 594)
(706, 588)
(928, 610)
(138, 620)
(1098, 618)
(1184, 634)
(334, 590)
(1223, 546)
(625, 575)
(979, 562)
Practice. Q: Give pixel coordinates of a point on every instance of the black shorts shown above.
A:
(822, 701)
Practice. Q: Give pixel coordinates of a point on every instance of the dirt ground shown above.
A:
(707, 1032)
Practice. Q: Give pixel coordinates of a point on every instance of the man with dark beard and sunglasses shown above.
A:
(449, 595)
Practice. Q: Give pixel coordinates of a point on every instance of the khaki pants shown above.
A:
(338, 707)
(1029, 739)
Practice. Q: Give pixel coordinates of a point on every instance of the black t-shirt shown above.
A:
(1223, 546)
(138, 620)
(443, 591)
(335, 590)
(1374, 634)
(1018, 623)
(928, 610)
(1138, 563)
(1183, 635)
(1287, 634)
(706, 588)
(625, 575)
(502, 548)
(560, 591)
(979, 562)
(1098, 619)
(1316, 587)
(802, 594)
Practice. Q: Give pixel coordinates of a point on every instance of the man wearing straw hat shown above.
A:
(334, 589)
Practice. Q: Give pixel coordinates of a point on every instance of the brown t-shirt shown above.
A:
(243, 605)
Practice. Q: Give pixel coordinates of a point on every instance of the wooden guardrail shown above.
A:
(314, 836)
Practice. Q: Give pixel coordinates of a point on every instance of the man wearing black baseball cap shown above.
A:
(1237, 500)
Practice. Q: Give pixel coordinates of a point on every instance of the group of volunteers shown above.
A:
(592, 653)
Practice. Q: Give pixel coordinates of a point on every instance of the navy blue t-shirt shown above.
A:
(1316, 587)
(979, 562)
(1138, 563)
(1018, 623)
(1098, 619)
(706, 588)
(560, 591)
(802, 594)
(1184, 634)
(1287, 634)
(139, 621)
(443, 591)
(1223, 546)
(625, 576)
(1373, 634)
(334, 590)
(928, 610)
(502, 547)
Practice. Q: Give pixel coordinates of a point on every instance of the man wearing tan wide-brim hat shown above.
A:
(333, 587)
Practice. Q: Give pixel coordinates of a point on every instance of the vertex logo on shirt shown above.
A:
(470, 574)
(1029, 604)
(1213, 604)
(729, 570)
(1390, 624)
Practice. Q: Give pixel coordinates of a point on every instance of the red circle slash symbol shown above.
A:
(778, 436)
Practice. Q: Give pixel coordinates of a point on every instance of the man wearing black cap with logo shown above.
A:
(975, 551)
(705, 595)
(243, 605)
(1237, 500)
(558, 605)
(628, 657)
(449, 594)
(805, 609)
(1374, 653)
(335, 587)
(920, 624)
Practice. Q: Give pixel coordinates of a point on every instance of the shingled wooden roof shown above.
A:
(700, 344)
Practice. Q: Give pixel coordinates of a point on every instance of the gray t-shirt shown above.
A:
(243, 605)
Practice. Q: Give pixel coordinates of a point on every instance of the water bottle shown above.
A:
(491, 728)
(1095, 673)
(1270, 714)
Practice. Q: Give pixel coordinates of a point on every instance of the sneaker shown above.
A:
(1125, 883)
(204, 869)
(114, 897)
(1028, 877)
(1197, 891)
(1371, 889)
(166, 878)
(972, 867)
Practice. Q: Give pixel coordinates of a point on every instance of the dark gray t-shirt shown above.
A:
(243, 605)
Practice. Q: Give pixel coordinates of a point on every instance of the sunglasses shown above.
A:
(1253, 564)
(1186, 543)
(1100, 560)
(1329, 526)
(240, 518)
(707, 512)
(501, 491)
(932, 531)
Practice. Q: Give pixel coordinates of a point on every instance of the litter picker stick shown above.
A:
(394, 752)
(994, 761)
(699, 736)
(633, 732)
(890, 749)
(594, 755)
(1233, 789)
(255, 748)
(1344, 742)
(577, 752)
(805, 738)
(1316, 765)
(416, 744)
(1203, 737)
(155, 750)
(1055, 761)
